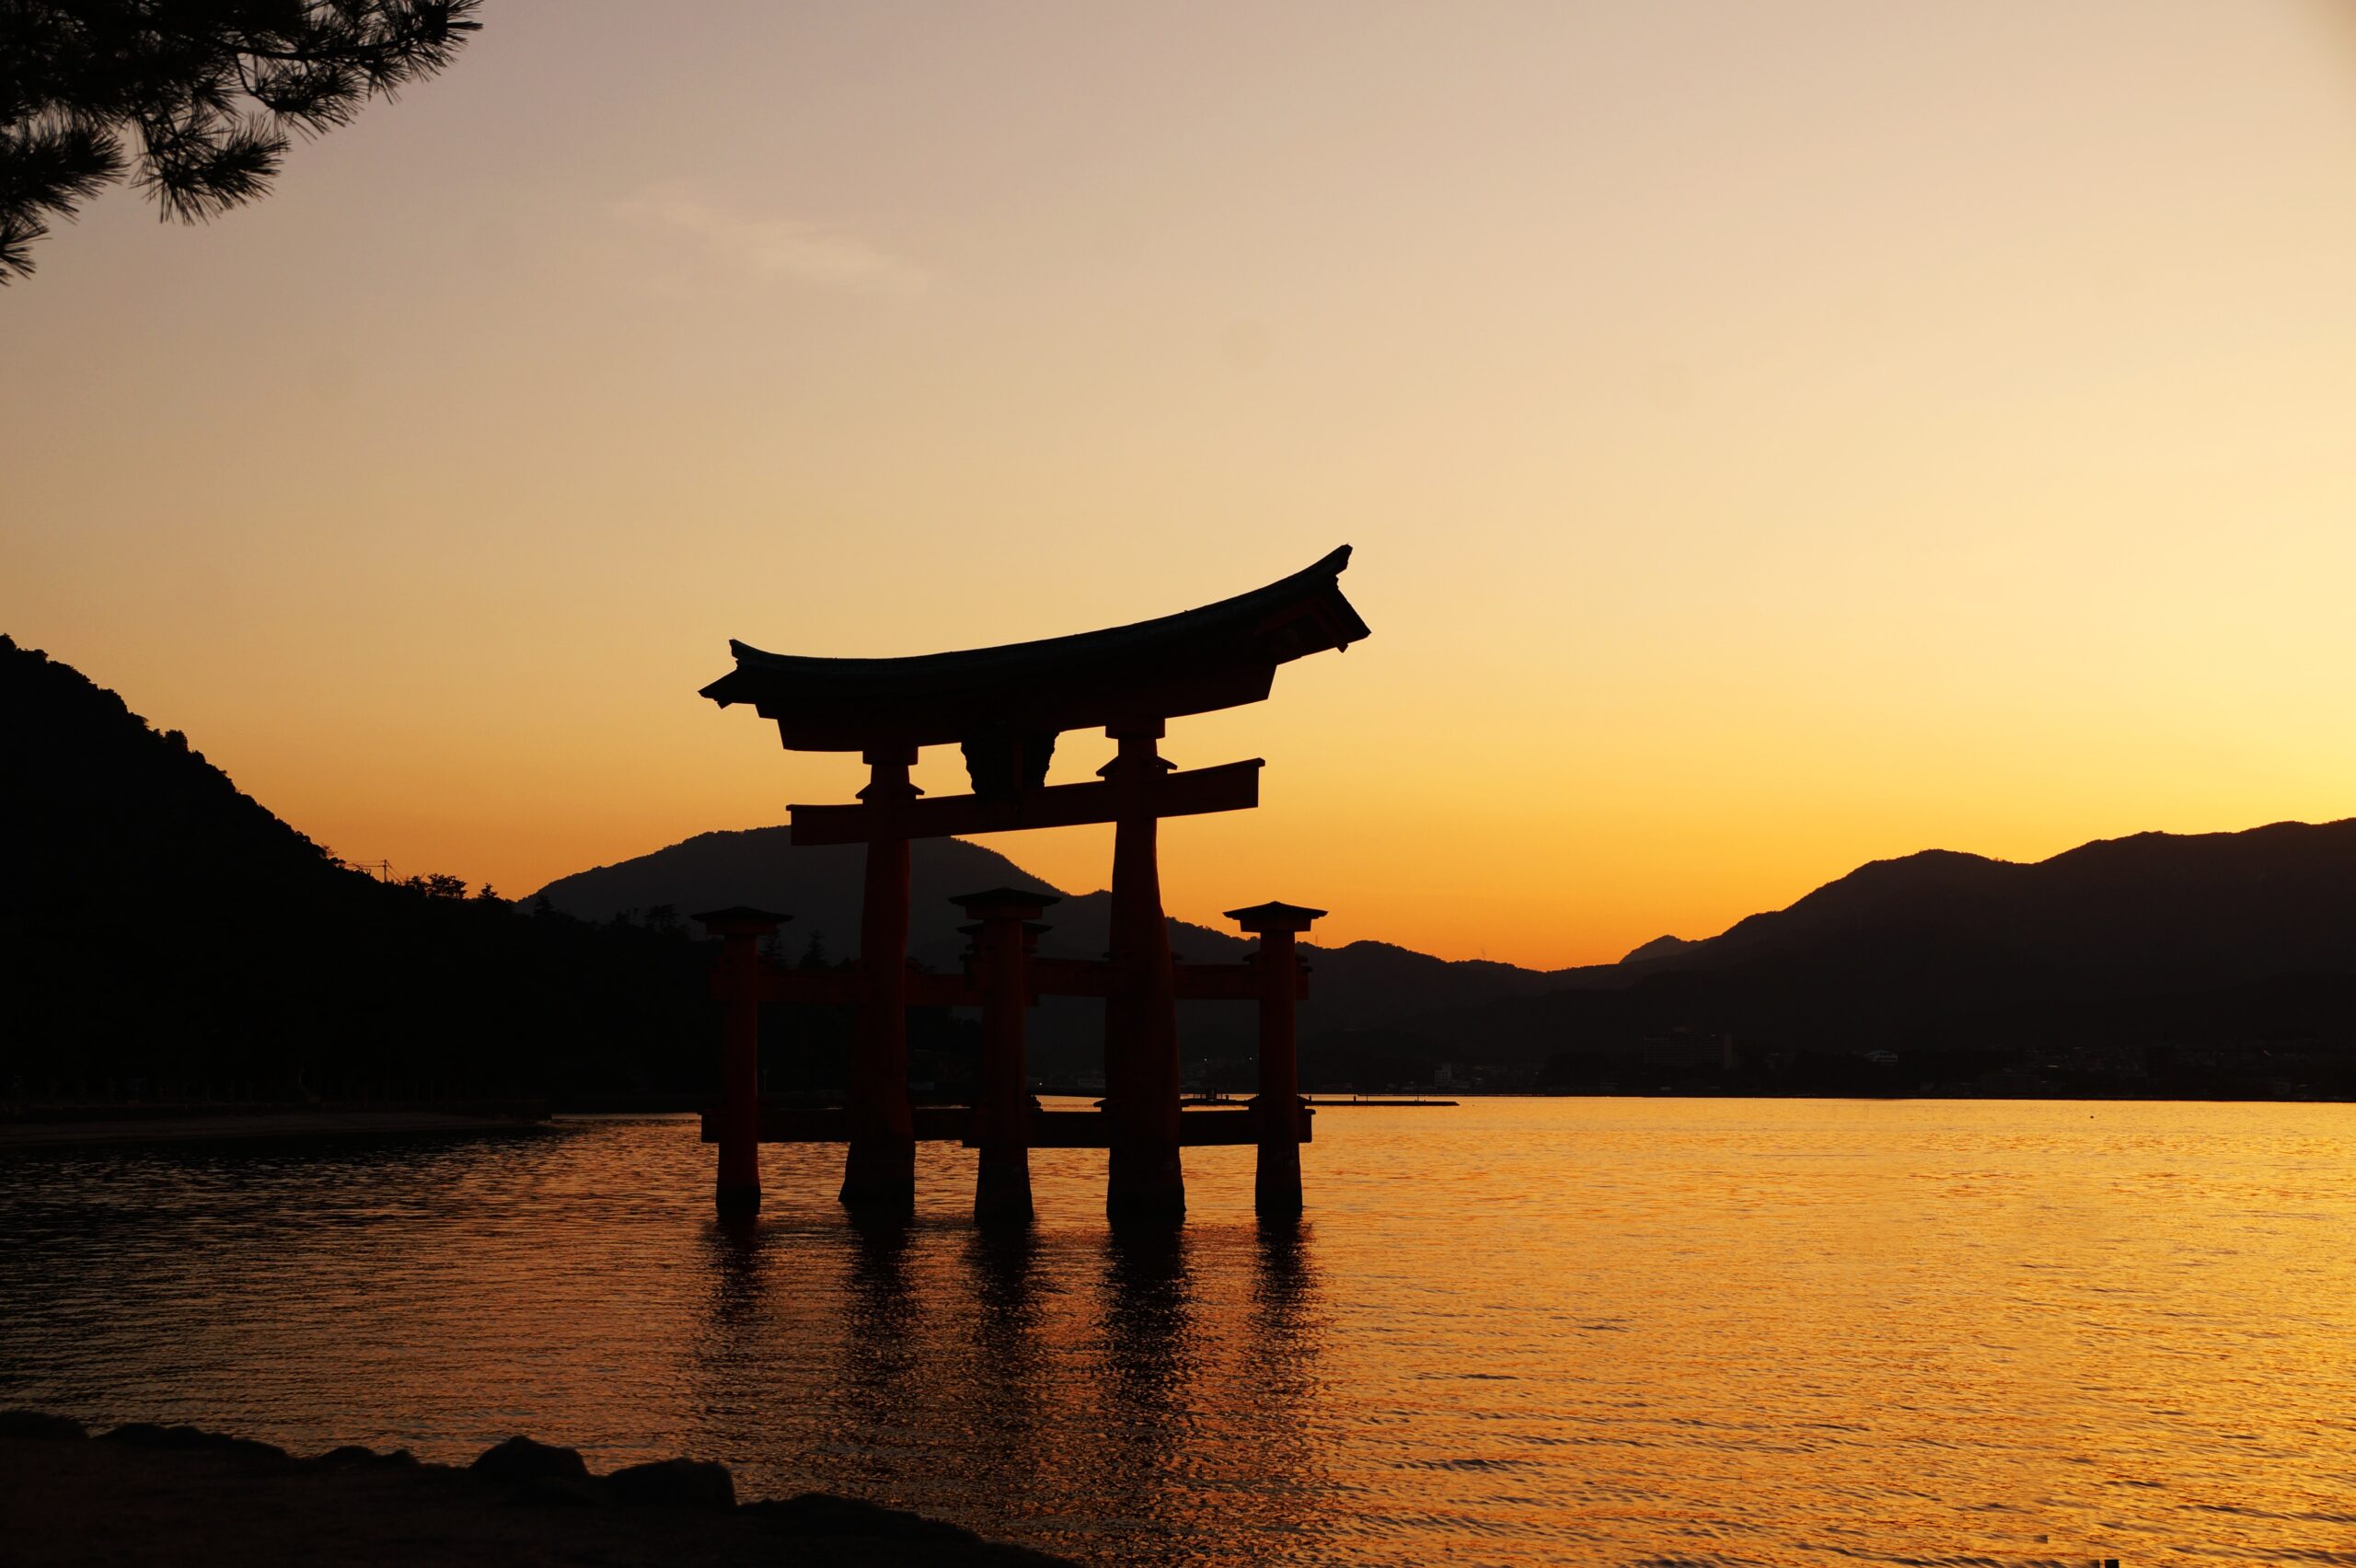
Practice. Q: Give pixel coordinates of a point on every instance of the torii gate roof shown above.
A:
(1221, 656)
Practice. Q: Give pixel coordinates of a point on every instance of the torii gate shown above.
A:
(1005, 707)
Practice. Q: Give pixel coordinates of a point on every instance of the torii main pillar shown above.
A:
(1141, 1074)
(880, 1172)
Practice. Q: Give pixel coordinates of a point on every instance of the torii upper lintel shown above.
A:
(1006, 704)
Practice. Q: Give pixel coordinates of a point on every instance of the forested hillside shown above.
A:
(163, 934)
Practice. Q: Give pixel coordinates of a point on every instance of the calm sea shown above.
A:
(1519, 1331)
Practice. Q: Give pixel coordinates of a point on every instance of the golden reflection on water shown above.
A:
(1517, 1333)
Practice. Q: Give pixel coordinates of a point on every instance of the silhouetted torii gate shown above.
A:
(1005, 707)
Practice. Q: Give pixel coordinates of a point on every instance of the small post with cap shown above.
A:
(1275, 1185)
(738, 1191)
(1002, 941)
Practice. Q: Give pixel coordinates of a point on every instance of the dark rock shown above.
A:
(354, 1454)
(559, 1492)
(148, 1434)
(520, 1458)
(816, 1514)
(39, 1423)
(677, 1484)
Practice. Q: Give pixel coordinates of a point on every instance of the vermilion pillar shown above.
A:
(1141, 1016)
(1276, 1187)
(1002, 1108)
(737, 1190)
(880, 1172)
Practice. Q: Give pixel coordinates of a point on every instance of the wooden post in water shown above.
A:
(1144, 1181)
(1002, 1106)
(1275, 1185)
(880, 1172)
(736, 1191)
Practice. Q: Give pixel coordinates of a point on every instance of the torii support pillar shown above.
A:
(736, 1191)
(1002, 1109)
(1144, 1181)
(880, 1172)
(1275, 1186)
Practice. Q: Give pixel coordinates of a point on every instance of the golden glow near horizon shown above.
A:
(1774, 437)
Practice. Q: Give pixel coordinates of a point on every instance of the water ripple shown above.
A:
(1614, 1332)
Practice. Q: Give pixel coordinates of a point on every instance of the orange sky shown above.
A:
(1774, 437)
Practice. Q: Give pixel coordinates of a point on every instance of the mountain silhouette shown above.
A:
(2157, 907)
(160, 928)
(164, 936)
(2157, 937)
(2230, 946)
(1357, 987)
(820, 887)
(98, 807)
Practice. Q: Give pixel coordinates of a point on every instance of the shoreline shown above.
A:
(140, 1491)
(77, 1126)
(94, 1124)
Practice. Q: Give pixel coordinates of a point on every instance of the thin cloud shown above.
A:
(785, 249)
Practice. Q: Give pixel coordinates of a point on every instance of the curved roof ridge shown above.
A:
(1216, 656)
(1328, 567)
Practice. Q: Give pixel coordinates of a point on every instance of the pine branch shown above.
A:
(214, 88)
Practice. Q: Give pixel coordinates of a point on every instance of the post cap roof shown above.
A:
(1275, 916)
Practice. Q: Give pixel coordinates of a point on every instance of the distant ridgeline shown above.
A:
(162, 934)
(2218, 963)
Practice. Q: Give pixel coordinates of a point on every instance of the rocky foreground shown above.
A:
(144, 1495)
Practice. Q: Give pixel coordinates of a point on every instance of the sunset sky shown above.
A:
(1774, 437)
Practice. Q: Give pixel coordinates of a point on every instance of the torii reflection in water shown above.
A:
(1049, 1385)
